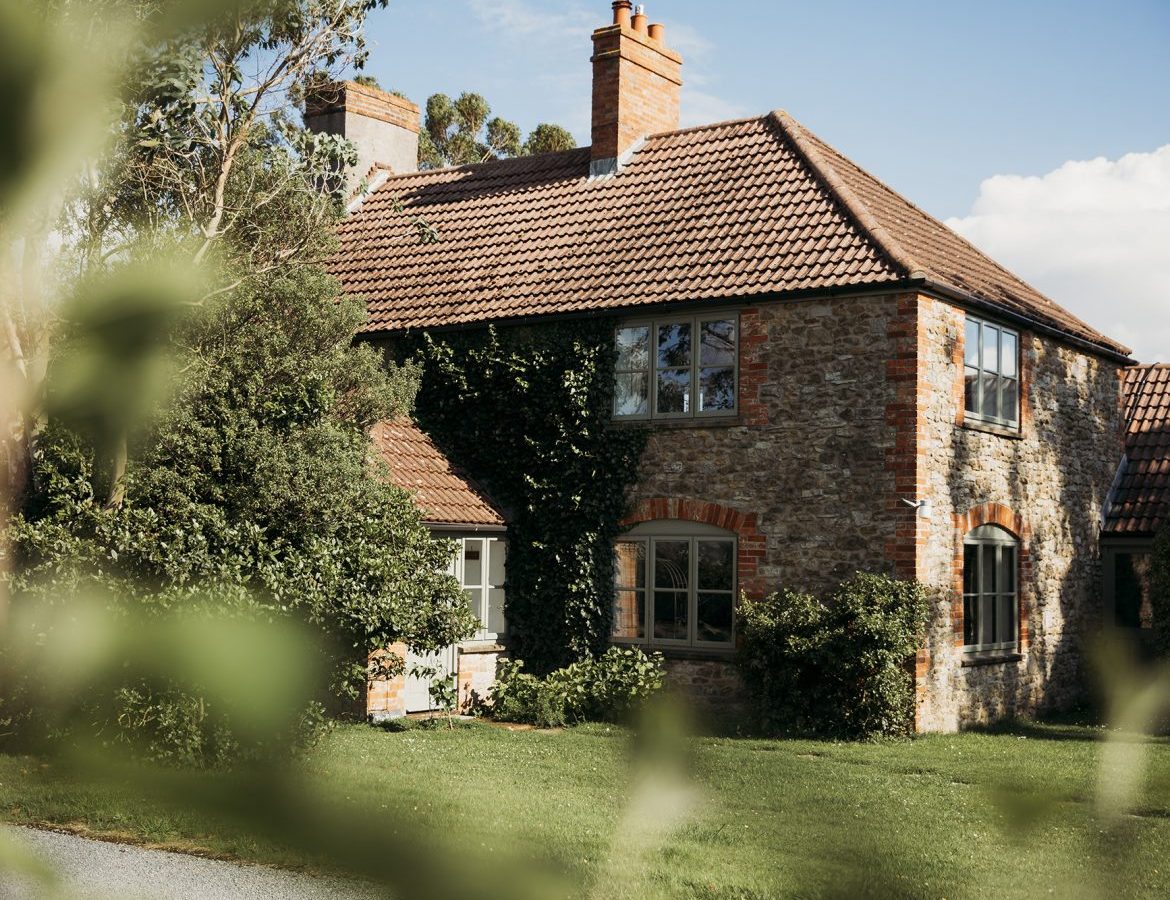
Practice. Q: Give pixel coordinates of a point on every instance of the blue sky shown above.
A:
(934, 98)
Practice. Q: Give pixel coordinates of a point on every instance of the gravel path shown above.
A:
(96, 870)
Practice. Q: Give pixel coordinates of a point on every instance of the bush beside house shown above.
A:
(836, 667)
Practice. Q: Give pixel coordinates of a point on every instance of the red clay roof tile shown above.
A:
(732, 210)
(416, 465)
(1141, 501)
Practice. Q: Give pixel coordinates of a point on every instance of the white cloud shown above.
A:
(701, 108)
(524, 18)
(1094, 236)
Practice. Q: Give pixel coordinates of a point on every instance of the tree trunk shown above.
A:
(119, 460)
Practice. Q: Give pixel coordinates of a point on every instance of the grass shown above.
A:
(972, 815)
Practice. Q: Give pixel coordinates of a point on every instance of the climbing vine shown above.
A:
(526, 411)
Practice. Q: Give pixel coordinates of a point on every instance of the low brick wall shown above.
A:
(386, 697)
(477, 672)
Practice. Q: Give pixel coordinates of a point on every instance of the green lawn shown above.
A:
(973, 815)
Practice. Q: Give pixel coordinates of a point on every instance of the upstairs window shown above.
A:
(991, 558)
(677, 368)
(992, 374)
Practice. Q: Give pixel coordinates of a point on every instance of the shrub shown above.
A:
(607, 689)
(836, 667)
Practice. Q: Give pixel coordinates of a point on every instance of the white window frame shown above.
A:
(652, 533)
(488, 546)
(651, 371)
(1001, 380)
(1002, 539)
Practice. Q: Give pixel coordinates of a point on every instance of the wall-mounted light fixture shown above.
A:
(923, 507)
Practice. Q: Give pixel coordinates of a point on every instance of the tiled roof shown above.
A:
(733, 210)
(1141, 502)
(417, 465)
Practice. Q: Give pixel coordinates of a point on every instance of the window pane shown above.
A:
(990, 348)
(472, 563)
(629, 564)
(970, 569)
(495, 621)
(672, 564)
(1005, 619)
(990, 396)
(631, 395)
(670, 615)
(629, 615)
(716, 389)
(986, 619)
(475, 598)
(674, 391)
(1007, 570)
(674, 345)
(990, 583)
(633, 345)
(497, 555)
(1010, 404)
(716, 566)
(971, 344)
(970, 619)
(971, 382)
(1009, 355)
(717, 343)
(714, 622)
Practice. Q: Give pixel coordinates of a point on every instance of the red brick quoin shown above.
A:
(1009, 520)
(751, 544)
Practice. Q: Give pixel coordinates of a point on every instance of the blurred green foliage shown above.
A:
(1160, 589)
(836, 666)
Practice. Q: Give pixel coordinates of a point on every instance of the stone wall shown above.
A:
(1047, 485)
(807, 459)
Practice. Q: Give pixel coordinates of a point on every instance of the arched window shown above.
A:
(674, 585)
(991, 559)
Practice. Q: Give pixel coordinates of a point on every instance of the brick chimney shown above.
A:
(383, 127)
(636, 82)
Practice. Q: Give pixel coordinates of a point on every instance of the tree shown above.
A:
(463, 132)
(195, 246)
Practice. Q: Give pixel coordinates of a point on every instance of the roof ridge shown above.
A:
(445, 170)
(853, 205)
(710, 126)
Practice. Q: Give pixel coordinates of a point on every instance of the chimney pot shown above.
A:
(636, 83)
(657, 32)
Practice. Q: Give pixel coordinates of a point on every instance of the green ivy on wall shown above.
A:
(526, 411)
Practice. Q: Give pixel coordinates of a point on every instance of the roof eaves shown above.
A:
(851, 204)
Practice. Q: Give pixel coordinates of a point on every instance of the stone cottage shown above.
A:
(833, 380)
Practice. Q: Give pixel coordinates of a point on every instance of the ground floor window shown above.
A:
(479, 566)
(674, 585)
(990, 589)
(1129, 586)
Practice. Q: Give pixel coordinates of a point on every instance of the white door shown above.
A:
(418, 687)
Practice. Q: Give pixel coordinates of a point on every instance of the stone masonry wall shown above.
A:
(1047, 485)
(807, 462)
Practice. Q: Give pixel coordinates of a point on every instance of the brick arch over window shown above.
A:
(1011, 521)
(751, 542)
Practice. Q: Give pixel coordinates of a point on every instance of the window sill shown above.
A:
(671, 424)
(469, 648)
(1012, 434)
(715, 654)
(992, 658)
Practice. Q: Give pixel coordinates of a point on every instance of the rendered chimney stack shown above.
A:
(384, 128)
(636, 85)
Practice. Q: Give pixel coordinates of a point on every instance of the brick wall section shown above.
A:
(1046, 485)
(477, 672)
(636, 86)
(808, 457)
(386, 697)
(363, 100)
